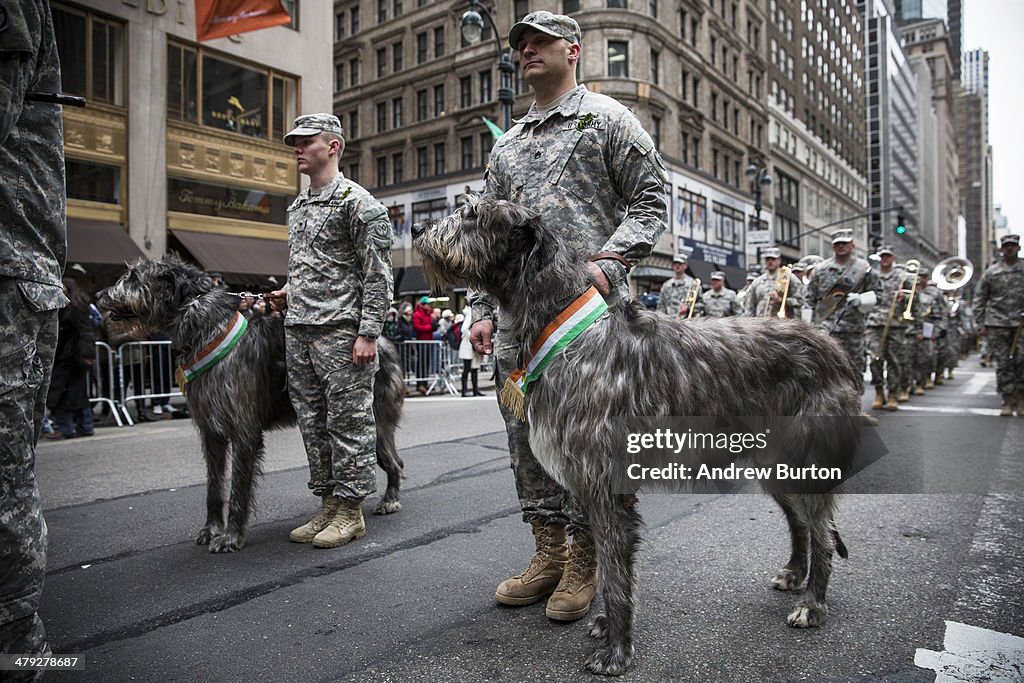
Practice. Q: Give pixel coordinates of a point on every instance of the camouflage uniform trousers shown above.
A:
(29, 340)
(333, 400)
(540, 496)
(923, 361)
(853, 344)
(889, 369)
(950, 357)
(1009, 372)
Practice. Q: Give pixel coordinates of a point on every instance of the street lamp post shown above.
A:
(472, 24)
(759, 178)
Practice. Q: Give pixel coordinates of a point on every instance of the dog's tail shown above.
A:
(840, 546)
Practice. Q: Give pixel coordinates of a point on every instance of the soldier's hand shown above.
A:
(599, 278)
(480, 334)
(983, 332)
(774, 297)
(901, 296)
(278, 299)
(683, 309)
(364, 351)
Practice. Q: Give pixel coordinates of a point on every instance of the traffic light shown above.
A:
(901, 226)
(875, 234)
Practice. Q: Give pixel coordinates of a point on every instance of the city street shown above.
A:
(935, 577)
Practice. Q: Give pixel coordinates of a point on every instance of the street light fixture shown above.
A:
(759, 177)
(472, 24)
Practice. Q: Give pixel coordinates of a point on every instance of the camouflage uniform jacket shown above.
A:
(33, 242)
(828, 288)
(927, 309)
(999, 296)
(673, 294)
(890, 286)
(755, 302)
(588, 166)
(720, 304)
(339, 261)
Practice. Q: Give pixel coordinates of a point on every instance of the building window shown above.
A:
(292, 8)
(382, 171)
(429, 210)
(422, 167)
(656, 131)
(353, 15)
(486, 142)
(520, 9)
(92, 55)
(439, 42)
(617, 4)
(397, 9)
(728, 225)
(93, 182)
(382, 11)
(421, 48)
(382, 117)
(466, 156)
(353, 125)
(396, 167)
(692, 217)
(212, 91)
(786, 230)
(396, 57)
(714, 50)
(485, 86)
(381, 62)
(439, 158)
(353, 171)
(618, 59)
(396, 112)
(438, 100)
(570, 6)
(353, 73)
(339, 77)
(421, 105)
(465, 92)
(339, 26)
(652, 7)
(655, 67)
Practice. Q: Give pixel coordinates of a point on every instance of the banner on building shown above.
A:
(220, 18)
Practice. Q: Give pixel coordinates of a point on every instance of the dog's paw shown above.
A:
(599, 627)
(226, 543)
(610, 660)
(387, 507)
(807, 615)
(207, 534)
(788, 580)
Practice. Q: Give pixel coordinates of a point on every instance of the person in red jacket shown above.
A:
(423, 323)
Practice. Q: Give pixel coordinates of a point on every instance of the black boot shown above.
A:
(476, 388)
(464, 371)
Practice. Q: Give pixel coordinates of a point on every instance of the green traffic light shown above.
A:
(900, 229)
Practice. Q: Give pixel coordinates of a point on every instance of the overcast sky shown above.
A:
(998, 27)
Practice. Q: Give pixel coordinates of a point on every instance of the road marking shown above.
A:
(974, 654)
(978, 382)
(994, 412)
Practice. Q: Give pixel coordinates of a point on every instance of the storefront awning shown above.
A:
(650, 273)
(241, 260)
(100, 242)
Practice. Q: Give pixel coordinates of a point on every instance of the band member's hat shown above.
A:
(886, 250)
(771, 252)
(313, 124)
(680, 258)
(1009, 239)
(718, 275)
(839, 236)
(557, 25)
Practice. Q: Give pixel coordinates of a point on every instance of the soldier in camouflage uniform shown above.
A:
(719, 301)
(339, 290)
(927, 316)
(33, 246)
(586, 164)
(765, 296)
(941, 317)
(999, 316)
(888, 356)
(835, 293)
(672, 299)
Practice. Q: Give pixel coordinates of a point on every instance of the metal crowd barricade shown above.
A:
(103, 385)
(148, 368)
(428, 362)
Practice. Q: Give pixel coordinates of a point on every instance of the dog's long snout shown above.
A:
(417, 230)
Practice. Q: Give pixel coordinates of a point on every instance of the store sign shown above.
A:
(759, 238)
(189, 196)
(702, 251)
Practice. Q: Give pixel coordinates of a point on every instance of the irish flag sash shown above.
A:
(559, 333)
(214, 351)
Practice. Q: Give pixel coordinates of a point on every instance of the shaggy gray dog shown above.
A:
(633, 363)
(243, 395)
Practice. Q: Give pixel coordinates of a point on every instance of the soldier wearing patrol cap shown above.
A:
(764, 296)
(886, 334)
(672, 301)
(842, 290)
(719, 301)
(339, 289)
(999, 316)
(585, 164)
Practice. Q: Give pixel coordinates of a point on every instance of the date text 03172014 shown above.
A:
(34, 662)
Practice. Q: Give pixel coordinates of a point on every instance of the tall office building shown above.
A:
(179, 149)
(976, 159)
(912, 11)
(413, 95)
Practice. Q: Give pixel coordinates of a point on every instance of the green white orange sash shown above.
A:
(214, 351)
(558, 334)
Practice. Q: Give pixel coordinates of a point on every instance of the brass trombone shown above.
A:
(782, 287)
(692, 293)
(910, 269)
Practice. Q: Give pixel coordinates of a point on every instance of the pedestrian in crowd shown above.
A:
(424, 325)
(133, 361)
(719, 301)
(674, 290)
(467, 354)
(218, 279)
(584, 162)
(33, 247)
(842, 290)
(68, 396)
(339, 288)
(741, 295)
(999, 317)
(927, 317)
(245, 304)
(390, 329)
(405, 329)
(259, 308)
(764, 297)
(885, 331)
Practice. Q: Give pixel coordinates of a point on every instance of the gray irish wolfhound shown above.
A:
(243, 395)
(634, 363)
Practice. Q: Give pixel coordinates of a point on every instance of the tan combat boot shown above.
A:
(904, 395)
(306, 532)
(1007, 410)
(571, 600)
(545, 570)
(891, 403)
(928, 383)
(938, 378)
(879, 399)
(346, 525)
(949, 373)
(918, 391)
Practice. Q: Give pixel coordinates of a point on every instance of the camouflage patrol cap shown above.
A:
(886, 250)
(313, 124)
(557, 25)
(771, 252)
(839, 236)
(718, 275)
(680, 258)
(1009, 239)
(798, 267)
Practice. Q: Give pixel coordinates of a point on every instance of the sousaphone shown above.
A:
(952, 273)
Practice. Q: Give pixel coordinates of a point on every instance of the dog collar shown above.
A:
(558, 334)
(214, 351)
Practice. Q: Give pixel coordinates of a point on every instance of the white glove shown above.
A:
(853, 299)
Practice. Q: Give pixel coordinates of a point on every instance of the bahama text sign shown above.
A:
(219, 18)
